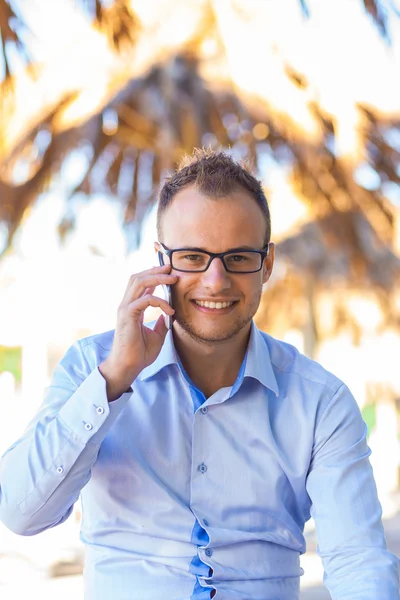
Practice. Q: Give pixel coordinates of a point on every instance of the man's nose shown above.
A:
(216, 277)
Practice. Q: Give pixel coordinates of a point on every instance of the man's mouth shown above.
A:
(213, 305)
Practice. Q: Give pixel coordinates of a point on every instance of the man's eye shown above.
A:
(238, 258)
(193, 257)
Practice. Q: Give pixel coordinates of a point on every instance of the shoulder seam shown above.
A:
(295, 372)
(87, 342)
(334, 394)
(331, 388)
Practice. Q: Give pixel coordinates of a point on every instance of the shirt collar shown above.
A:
(167, 356)
(258, 361)
(258, 364)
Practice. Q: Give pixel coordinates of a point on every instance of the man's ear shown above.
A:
(269, 262)
(156, 246)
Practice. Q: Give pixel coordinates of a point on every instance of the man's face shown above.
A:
(216, 225)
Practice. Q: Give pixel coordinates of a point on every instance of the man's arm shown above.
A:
(346, 508)
(42, 474)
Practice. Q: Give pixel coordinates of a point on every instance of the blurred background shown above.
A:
(99, 99)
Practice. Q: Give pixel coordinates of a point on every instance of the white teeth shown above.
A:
(215, 305)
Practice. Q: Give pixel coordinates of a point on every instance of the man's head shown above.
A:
(213, 203)
(215, 175)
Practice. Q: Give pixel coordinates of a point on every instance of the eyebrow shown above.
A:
(236, 249)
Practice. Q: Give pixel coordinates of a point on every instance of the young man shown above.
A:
(200, 452)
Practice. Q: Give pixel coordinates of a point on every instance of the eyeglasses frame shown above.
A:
(168, 252)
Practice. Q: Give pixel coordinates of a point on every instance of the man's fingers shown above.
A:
(140, 305)
(149, 291)
(139, 285)
(152, 271)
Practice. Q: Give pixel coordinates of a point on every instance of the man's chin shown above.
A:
(213, 335)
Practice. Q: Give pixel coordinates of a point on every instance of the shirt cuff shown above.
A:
(88, 414)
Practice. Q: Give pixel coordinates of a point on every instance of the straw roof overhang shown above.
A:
(341, 248)
(318, 273)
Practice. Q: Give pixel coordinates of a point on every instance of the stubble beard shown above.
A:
(222, 335)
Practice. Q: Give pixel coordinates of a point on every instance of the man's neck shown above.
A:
(211, 366)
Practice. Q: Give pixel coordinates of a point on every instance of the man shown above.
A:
(200, 452)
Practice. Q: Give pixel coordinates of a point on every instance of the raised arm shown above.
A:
(42, 474)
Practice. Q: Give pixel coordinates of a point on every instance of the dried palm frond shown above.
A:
(341, 247)
(324, 264)
(379, 15)
(121, 24)
(374, 8)
(11, 25)
(171, 109)
(16, 199)
(144, 129)
(118, 21)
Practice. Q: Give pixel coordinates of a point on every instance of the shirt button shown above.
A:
(202, 468)
(60, 470)
(204, 409)
(209, 552)
(206, 523)
(100, 410)
(88, 426)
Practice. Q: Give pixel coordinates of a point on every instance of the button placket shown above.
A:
(200, 454)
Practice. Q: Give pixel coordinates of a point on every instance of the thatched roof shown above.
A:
(318, 273)
(341, 248)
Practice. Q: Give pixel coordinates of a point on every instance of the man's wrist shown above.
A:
(117, 383)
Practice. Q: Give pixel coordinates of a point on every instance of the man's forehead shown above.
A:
(213, 243)
(191, 193)
(215, 224)
(190, 206)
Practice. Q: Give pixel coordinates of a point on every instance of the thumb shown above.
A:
(160, 327)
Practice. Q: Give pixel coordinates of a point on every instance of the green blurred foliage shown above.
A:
(369, 416)
(10, 360)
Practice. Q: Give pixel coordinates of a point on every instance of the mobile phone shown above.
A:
(168, 297)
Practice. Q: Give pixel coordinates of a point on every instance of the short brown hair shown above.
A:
(214, 173)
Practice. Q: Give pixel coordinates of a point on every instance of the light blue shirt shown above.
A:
(183, 495)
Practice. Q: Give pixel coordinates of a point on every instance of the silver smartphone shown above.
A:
(168, 297)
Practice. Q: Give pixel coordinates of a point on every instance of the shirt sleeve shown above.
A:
(42, 474)
(346, 509)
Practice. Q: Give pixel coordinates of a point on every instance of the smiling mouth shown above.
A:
(214, 305)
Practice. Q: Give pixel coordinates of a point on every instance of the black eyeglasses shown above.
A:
(194, 260)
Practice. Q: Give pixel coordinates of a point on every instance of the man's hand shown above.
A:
(135, 346)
